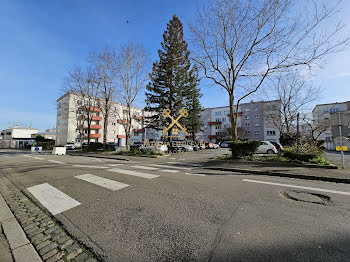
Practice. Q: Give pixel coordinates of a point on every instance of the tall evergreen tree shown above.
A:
(170, 77)
(192, 104)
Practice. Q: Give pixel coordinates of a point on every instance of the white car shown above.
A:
(215, 146)
(69, 146)
(267, 148)
(161, 147)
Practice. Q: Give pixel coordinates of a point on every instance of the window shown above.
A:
(256, 116)
(247, 110)
(218, 120)
(334, 110)
(328, 138)
(223, 119)
(247, 124)
(247, 117)
(271, 133)
(256, 108)
(59, 112)
(257, 132)
(79, 102)
(247, 132)
(226, 112)
(113, 132)
(113, 123)
(218, 126)
(218, 113)
(256, 124)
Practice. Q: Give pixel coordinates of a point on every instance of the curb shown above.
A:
(21, 248)
(279, 174)
(47, 238)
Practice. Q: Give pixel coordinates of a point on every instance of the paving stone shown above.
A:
(57, 236)
(36, 237)
(56, 232)
(74, 253)
(47, 249)
(45, 220)
(55, 257)
(43, 244)
(30, 230)
(26, 253)
(71, 248)
(30, 226)
(48, 231)
(82, 257)
(50, 254)
(66, 244)
(63, 239)
(90, 260)
(36, 232)
(46, 223)
(40, 240)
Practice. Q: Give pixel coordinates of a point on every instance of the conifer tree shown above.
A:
(170, 77)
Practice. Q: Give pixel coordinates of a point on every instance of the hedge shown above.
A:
(243, 148)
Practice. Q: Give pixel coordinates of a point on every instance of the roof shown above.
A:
(328, 104)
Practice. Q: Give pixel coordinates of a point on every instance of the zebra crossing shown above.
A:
(57, 201)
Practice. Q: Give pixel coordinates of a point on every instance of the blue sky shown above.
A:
(40, 40)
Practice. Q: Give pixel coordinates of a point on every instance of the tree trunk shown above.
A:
(105, 129)
(233, 119)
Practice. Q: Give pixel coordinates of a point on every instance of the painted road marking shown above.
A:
(166, 166)
(195, 174)
(300, 187)
(115, 164)
(145, 167)
(170, 171)
(53, 199)
(103, 182)
(90, 166)
(55, 161)
(132, 173)
(38, 158)
(185, 164)
(26, 156)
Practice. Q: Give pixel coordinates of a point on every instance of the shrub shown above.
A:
(306, 152)
(320, 161)
(94, 146)
(243, 148)
(288, 139)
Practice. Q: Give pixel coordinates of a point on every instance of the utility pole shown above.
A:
(298, 132)
(341, 142)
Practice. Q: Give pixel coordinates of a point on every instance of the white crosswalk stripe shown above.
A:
(132, 173)
(167, 166)
(39, 158)
(170, 170)
(103, 182)
(115, 164)
(145, 167)
(53, 199)
(90, 166)
(195, 174)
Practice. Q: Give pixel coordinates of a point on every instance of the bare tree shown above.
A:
(240, 43)
(295, 94)
(82, 83)
(106, 79)
(131, 68)
(314, 126)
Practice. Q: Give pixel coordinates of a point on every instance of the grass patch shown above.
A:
(224, 157)
(141, 152)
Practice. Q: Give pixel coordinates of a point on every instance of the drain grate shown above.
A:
(307, 197)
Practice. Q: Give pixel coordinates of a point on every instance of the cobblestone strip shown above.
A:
(49, 239)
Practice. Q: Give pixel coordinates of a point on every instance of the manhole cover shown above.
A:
(307, 197)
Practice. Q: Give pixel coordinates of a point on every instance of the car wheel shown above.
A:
(270, 152)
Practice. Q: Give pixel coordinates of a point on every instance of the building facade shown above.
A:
(17, 137)
(252, 122)
(72, 127)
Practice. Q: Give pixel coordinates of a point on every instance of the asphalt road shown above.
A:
(171, 209)
(335, 158)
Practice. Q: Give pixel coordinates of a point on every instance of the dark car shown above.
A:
(278, 146)
(136, 145)
(112, 146)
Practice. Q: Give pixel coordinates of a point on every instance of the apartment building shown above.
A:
(72, 125)
(252, 122)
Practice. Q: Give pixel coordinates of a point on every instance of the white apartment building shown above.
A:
(71, 127)
(252, 121)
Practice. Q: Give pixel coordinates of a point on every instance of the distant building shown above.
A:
(252, 122)
(17, 137)
(323, 111)
(48, 134)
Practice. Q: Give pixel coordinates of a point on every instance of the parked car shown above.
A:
(278, 146)
(69, 146)
(162, 147)
(215, 146)
(175, 149)
(224, 144)
(187, 148)
(267, 148)
(112, 146)
(136, 145)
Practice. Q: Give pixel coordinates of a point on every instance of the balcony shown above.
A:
(139, 130)
(214, 123)
(91, 126)
(212, 136)
(95, 109)
(122, 121)
(95, 135)
(121, 136)
(96, 118)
